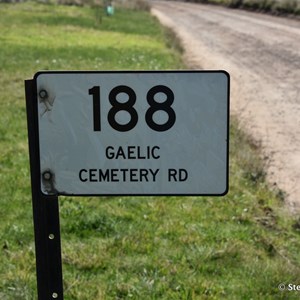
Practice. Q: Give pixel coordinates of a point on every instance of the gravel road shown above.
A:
(262, 55)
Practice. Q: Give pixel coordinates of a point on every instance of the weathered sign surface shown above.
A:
(133, 133)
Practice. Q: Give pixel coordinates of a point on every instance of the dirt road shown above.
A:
(262, 55)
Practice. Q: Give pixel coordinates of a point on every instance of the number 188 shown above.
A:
(128, 106)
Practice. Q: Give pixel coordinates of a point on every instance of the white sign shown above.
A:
(133, 133)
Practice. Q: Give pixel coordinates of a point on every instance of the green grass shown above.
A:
(237, 247)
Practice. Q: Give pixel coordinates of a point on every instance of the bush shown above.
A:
(286, 7)
(134, 4)
(235, 3)
(272, 6)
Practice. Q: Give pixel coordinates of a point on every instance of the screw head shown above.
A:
(47, 175)
(51, 236)
(43, 94)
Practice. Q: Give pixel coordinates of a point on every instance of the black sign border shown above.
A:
(35, 99)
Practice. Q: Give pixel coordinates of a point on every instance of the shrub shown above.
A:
(134, 4)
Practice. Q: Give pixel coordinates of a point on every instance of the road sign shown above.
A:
(133, 133)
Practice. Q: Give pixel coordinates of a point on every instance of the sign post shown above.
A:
(45, 214)
(121, 133)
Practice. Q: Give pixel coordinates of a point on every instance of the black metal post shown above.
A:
(45, 213)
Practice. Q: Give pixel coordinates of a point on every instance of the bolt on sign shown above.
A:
(133, 133)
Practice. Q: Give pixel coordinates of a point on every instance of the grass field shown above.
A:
(241, 246)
